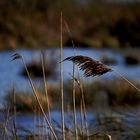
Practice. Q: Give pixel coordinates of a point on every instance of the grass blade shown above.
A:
(61, 78)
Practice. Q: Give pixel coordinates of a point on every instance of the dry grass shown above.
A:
(35, 93)
(80, 97)
(119, 93)
(89, 66)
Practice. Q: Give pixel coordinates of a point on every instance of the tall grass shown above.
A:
(18, 56)
(86, 64)
(61, 77)
(83, 106)
(46, 89)
(73, 82)
(73, 101)
(14, 121)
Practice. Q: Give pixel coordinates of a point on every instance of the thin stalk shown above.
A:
(68, 30)
(68, 117)
(73, 88)
(61, 78)
(84, 108)
(73, 100)
(82, 120)
(37, 99)
(46, 131)
(45, 87)
(14, 121)
(109, 137)
(126, 80)
(6, 123)
(39, 125)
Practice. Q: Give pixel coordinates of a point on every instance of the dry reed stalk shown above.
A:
(82, 120)
(46, 136)
(43, 129)
(73, 83)
(68, 30)
(14, 121)
(18, 56)
(109, 137)
(6, 123)
(45, 88)
(92, 67)
(45, 85)
(127, 80)
(74, 105)
(39, 125)
(68, 120)
(61, 77)
(83, 107)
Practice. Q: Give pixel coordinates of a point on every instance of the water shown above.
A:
(10, 71)
(10, 76)
(113, 121)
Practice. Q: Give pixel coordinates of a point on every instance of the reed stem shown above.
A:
(61, 77)
(45, 87)
(37, 99)
(14, 121)
(73, 100)
(126, 80)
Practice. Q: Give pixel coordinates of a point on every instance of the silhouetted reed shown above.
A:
(93, 67)
(90, 66)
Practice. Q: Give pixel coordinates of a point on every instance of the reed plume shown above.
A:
(90, 66)
(93, 67)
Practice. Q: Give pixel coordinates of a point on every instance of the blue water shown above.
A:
(25, 123)
(10, 71)
(10, 76)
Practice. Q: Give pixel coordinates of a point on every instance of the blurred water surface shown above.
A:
(10, 71)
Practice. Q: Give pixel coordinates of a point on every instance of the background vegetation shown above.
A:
(93, 23)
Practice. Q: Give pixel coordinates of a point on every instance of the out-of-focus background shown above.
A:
(34, 23)
(105, 30)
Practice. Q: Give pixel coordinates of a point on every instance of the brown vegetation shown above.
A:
(35, 23)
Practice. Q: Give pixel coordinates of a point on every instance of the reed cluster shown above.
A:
(42, 103)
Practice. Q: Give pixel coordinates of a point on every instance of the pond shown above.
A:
(118, 124)
(10, 71)
(10, 76)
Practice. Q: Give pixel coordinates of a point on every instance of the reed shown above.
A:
(82, 120)
(83, 106)
(74, 104)
(14, 121)
(61, 77)
(5, 124)
(19, 56)
(46, 88)
(73, 81)
(93, 67)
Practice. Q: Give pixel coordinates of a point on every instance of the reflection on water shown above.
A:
(10, 76)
